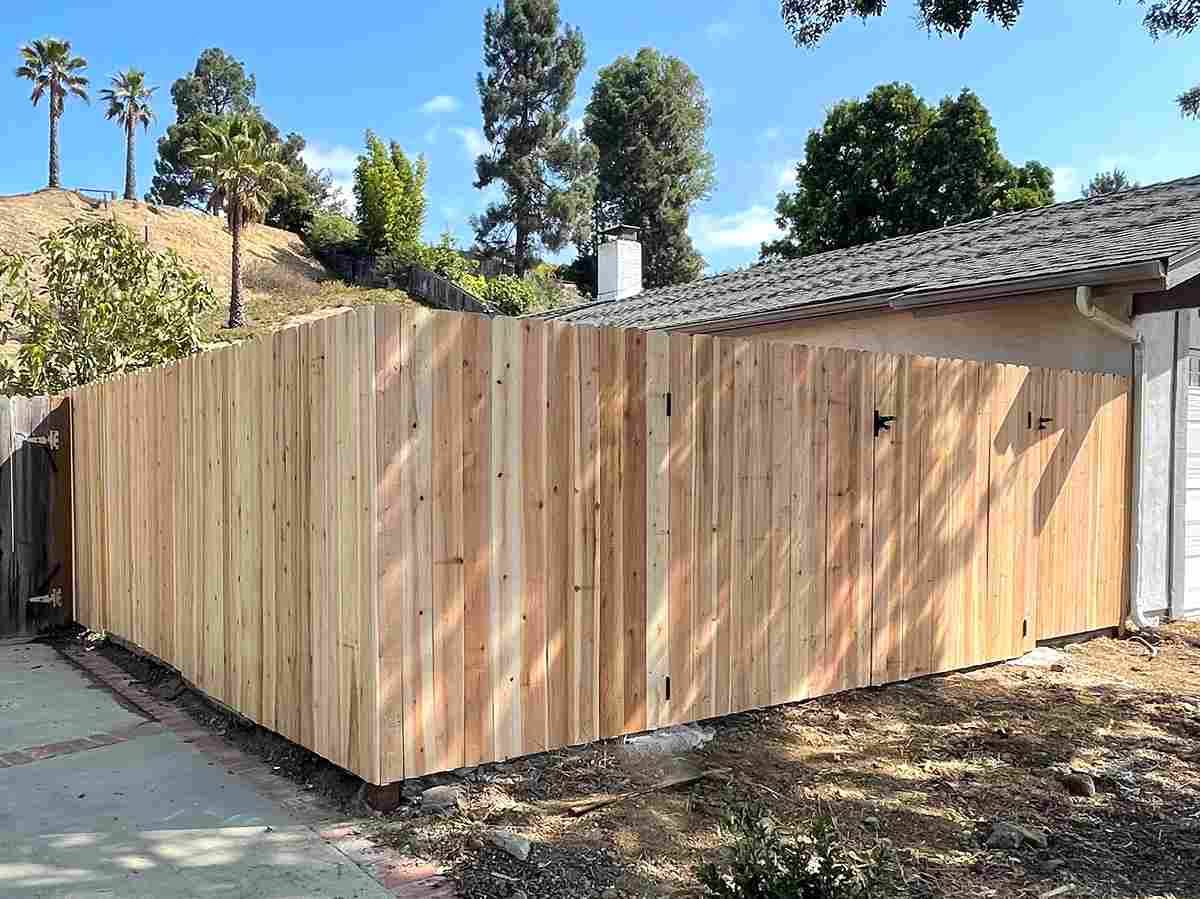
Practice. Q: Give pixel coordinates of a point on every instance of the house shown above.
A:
(1107, 284)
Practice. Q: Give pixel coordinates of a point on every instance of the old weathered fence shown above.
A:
(442, 293)
(415, 540)
(35, 514)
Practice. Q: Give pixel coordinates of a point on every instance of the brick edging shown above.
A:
(404, 877)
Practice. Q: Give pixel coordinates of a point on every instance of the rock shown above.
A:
(870, 821)
(1050, 865)
(1012, 836)
(1004, 836)
(1058, 667)
(1079, 784)
(1042, 657)
(441, 798)
(384, 799)
(513, 844)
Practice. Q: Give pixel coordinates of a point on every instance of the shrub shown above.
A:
(280, 280)
(93, 300)
(769, 863)
(330, 232)
(508, 294)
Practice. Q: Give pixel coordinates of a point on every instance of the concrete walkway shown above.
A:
(98, 800)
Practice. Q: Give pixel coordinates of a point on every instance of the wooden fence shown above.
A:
(415, 540)
(35, 514)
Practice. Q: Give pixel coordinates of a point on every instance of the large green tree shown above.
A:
(891, 164)
(56, 75)
(238, 158)
(647, 118)
(810, 20)
(129, 106)
(389, 193)
(532, 62)
(218, 87)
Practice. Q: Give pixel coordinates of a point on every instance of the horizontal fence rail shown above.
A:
(415, 540)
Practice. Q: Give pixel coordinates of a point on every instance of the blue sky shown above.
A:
(1079, 86)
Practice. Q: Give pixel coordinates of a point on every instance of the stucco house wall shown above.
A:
(1037, 330)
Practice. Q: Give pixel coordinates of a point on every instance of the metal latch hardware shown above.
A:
(53, 598)
(50, 439)
(883, 422)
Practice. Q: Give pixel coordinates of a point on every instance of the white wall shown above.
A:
(1042, 330)
(1154, 395)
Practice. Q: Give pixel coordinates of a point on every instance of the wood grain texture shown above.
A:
(413, 540)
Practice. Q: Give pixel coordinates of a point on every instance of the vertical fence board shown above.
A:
(412, 540)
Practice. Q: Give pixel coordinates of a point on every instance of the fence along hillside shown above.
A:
(415, 540)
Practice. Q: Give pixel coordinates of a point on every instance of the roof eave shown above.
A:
(1183, 266)
(917, 297)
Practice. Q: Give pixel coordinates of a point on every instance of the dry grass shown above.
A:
(283, 282)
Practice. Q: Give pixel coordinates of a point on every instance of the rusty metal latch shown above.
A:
(51, 439)
(53, 598)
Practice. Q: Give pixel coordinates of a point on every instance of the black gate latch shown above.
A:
(883, 422)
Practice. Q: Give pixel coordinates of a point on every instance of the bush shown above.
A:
(330, 232)
(280, 280)
(93, 300)
(509, 295)
(769, 863)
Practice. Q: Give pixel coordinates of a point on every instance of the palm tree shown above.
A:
(53, 70)
(129, 104)
(242, 165)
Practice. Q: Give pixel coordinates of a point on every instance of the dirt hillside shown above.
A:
(199, 239)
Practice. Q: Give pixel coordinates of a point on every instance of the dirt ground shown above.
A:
(921, 770)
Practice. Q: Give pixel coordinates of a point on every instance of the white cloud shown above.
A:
(736, 231)
(439, 104)
(1066, 183)
(785, 175)
(337, 160)
(473, 140)
(721, 31)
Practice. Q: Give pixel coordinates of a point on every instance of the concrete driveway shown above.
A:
(98, 800)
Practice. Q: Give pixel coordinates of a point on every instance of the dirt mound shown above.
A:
(200, 239)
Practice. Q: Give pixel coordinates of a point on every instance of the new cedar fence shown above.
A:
(415, 540)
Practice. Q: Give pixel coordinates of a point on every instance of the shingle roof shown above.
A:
(1139, 225)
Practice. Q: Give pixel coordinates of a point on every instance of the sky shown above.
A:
(1079, 86)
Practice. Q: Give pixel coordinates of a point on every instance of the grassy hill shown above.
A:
(283, 281)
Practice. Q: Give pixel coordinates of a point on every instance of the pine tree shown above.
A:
(532, 63)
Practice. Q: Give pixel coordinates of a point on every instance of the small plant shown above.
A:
(94, 301)
(771, 863)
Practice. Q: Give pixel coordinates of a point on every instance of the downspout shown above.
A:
(1125, 330)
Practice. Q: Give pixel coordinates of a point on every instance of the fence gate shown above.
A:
(35, 514)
